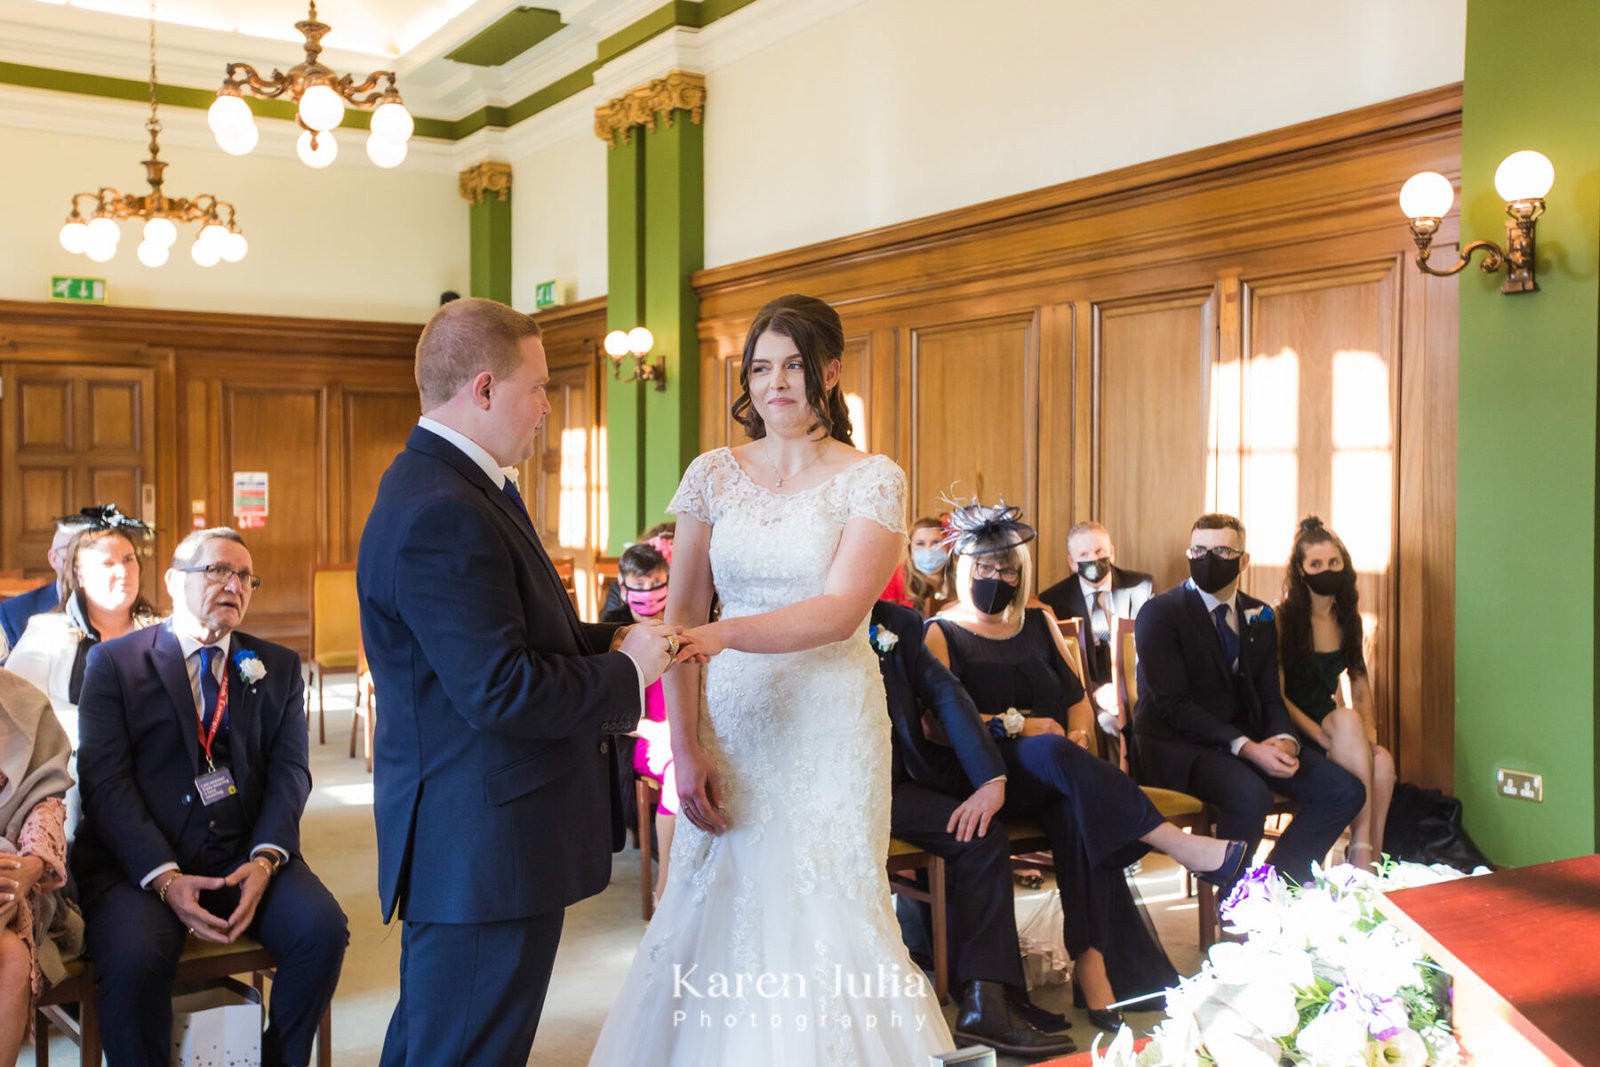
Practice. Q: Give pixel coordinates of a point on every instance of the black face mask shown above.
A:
(1094, 569)
(1327, 583)
(992, 595)
(1212, 574)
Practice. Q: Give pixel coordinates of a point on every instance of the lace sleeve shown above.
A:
(693, 497)
(44, 834)
(878, 492)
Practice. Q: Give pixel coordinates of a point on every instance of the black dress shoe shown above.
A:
(1232, 866)
(1043, 1018)
(986, 1017)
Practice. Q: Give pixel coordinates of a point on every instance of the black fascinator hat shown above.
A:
(977, 529)
(105, 517)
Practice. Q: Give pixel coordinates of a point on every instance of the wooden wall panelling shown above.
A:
(375, 425)
(1154, 359)
(1310, 206)
(883, 408)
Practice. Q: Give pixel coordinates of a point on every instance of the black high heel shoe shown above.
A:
(1107, 1019)
(1232, 866)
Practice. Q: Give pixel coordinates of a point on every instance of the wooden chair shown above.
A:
(335, 629)
(366, 703)
(605, 576)
(646, 795)
(201, 961)
(904, 861)
(567, 571)
(16, 586)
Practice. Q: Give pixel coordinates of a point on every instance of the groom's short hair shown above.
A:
(465, 337)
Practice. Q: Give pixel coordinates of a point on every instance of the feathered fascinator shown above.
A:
(104, 517)
(976, 529)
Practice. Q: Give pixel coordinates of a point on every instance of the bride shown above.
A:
(775, 942)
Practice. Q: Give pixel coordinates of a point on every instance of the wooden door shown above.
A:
(564, 475)
(71, 435)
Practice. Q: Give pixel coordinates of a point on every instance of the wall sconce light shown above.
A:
(636, 342)
(1523, 179)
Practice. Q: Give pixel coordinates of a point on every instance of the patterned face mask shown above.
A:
(646, 602)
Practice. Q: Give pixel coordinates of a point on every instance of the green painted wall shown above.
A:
(1526, 577)
(655, 217)
(490, 223)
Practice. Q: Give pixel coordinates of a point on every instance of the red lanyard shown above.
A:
(207, 739)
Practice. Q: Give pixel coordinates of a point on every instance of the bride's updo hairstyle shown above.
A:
(816, 331)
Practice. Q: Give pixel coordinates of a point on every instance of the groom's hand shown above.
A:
(646, 644)
(699, 795)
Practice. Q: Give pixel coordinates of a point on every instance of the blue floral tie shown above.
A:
(1230, 640)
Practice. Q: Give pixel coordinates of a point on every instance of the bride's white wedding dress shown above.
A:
(775, 942)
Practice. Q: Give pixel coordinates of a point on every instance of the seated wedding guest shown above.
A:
(1210, 719)
(1098, 593)
(16, 611)
(946, 798)
(658, 537)
(642, 576)
(100, 602)
(1319, 640)
(40, 929)
(922, 579)
(1013, 662)
(194, 776)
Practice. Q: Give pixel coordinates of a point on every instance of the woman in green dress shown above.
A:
(1319, 643)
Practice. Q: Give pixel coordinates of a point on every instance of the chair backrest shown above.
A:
(1072, 633)
(335, 613)
(1125, 673)
(10, 587)
(605, 574)
(567, 571)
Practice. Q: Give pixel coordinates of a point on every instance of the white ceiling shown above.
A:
(197, 38)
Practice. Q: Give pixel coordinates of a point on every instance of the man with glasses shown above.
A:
(193, 760)
(1211, 720)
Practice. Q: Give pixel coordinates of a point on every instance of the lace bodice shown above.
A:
(770, 549)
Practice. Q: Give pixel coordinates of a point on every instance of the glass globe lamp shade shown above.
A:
(104, 231)
(212, 233)
(640, 340)
(75, 236)
(1525, 175)
(1427, 195)
(385, 153)
(160, 231)
(325, 152)
(228, 115)
(234, 246)
(101, 251)
(392, 122)
(321, 108)
(152, 254)
(617, 343)
(239, 142)
(205, 253)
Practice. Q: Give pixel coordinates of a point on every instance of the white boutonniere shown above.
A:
(251, 669)
(1255, 615)
(883, 639)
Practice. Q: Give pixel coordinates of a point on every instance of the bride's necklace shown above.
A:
(779, 475)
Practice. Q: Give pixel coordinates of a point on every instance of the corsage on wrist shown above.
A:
(1007, 724)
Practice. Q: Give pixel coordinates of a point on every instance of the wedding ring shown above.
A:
(673, 644)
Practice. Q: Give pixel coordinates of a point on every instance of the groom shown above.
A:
(493, 792)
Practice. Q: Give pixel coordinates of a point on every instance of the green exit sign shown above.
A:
(78, 290)
(547, 295)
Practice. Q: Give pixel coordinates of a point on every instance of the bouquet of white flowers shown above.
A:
(1322, 979)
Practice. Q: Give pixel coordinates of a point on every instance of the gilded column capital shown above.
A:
(637, 107)
(487, 177)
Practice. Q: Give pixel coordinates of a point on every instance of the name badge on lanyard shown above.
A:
(215, 784)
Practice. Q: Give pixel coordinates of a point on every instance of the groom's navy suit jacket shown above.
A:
(1189, 698)
(913, 679)
(139, 754)
(493, 794)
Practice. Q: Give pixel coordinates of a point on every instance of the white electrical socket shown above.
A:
(1520, 785)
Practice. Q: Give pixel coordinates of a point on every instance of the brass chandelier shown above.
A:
(322, 96)
(219, 237)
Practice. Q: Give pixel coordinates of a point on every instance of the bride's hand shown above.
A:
(699, 794)
(704, 640)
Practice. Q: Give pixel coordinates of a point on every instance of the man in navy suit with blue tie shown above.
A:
(194, 776)
(493, 787)
(1211, 720)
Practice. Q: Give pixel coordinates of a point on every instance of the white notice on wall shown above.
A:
(250, 499)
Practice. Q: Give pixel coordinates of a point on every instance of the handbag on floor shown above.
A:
(1424, 826)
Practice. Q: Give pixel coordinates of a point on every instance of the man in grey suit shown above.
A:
(1097, 594)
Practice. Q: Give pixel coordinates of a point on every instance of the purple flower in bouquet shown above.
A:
(1385, 1016)
(1254, 900)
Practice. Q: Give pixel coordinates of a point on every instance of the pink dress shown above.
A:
(652, 754)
